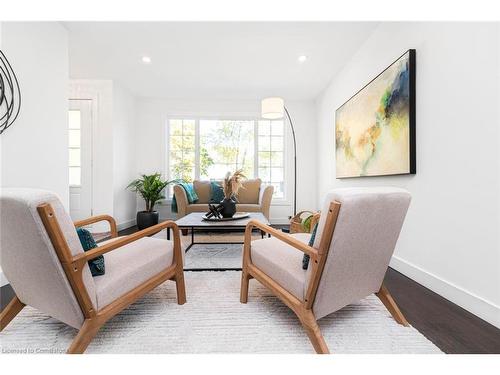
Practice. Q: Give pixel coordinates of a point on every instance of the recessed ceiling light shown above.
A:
(302, 58)
(146, 59)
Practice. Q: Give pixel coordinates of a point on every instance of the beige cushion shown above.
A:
(29, 260)
(281, 262)
(203, 207)
(249, 193)
(367, 228)
(248, 208)
(197, 207)
(129, 266)
(202, 188)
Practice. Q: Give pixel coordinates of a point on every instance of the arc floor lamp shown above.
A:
(274, 109)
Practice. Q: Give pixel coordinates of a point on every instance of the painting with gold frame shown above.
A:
(375, 128)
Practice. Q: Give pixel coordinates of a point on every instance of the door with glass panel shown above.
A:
(80, 158)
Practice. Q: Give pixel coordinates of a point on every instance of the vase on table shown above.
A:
(228, 207)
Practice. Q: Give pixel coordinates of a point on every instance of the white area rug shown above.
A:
(212, 256)
(214, 321)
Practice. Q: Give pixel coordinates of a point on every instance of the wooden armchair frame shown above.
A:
(303, 309)
(74, 265)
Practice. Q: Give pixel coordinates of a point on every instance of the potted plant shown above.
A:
(150, 187)
(231, 185)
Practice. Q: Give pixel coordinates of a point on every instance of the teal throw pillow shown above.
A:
(88, 243)
(216, 192)
(305, 259)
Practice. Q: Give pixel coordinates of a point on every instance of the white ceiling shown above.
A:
(226, 60)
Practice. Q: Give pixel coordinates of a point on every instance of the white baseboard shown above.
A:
(125, 224)
(484, 309)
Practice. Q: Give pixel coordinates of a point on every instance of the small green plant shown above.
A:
(150, 187)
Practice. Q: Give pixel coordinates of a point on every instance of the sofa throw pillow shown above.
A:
(216, 192)
(88, 243)
(305, 259)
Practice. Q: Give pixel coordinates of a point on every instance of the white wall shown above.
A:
(450, 241)
(33, 151)
(124, 170)
(150, 135)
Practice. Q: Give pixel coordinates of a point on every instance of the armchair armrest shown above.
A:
(265, 197)
(290, 240)
(94, 253)
(182, 200)
(96, 219)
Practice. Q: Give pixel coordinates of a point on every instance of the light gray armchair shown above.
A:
(355, 240)
(46, 266)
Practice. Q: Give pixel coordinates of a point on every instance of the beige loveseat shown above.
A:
(253, 197)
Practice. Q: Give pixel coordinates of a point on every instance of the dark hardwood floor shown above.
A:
(451, 328)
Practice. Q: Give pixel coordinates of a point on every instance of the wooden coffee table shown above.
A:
(195, 221)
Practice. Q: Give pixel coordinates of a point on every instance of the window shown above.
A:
(270, 158)
(209, 148)
(182, 149)
(226, 146)
(74, 143)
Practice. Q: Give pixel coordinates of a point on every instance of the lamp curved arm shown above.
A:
(294, 162)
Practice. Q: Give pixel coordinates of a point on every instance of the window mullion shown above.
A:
(256, 149)
(197, 149)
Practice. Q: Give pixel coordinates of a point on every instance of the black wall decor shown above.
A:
(10, 94)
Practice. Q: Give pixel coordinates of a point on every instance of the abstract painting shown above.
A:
(375, 129)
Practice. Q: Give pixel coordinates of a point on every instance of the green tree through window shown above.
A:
(207, 149)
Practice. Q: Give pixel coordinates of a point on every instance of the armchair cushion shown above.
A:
(131, 265)
(281, 262)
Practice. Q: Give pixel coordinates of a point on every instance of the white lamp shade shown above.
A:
(273, 108)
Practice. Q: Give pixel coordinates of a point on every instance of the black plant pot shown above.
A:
(228, 207)
(146, 219)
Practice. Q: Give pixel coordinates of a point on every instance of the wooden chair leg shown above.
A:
(82, 340)
(10, 312)
(310, 324)
(386, 298)
(245, 280)
(181, 288)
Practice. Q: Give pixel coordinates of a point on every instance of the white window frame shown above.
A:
(287, 193)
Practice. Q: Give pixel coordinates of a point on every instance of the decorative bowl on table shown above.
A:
(236, 216)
